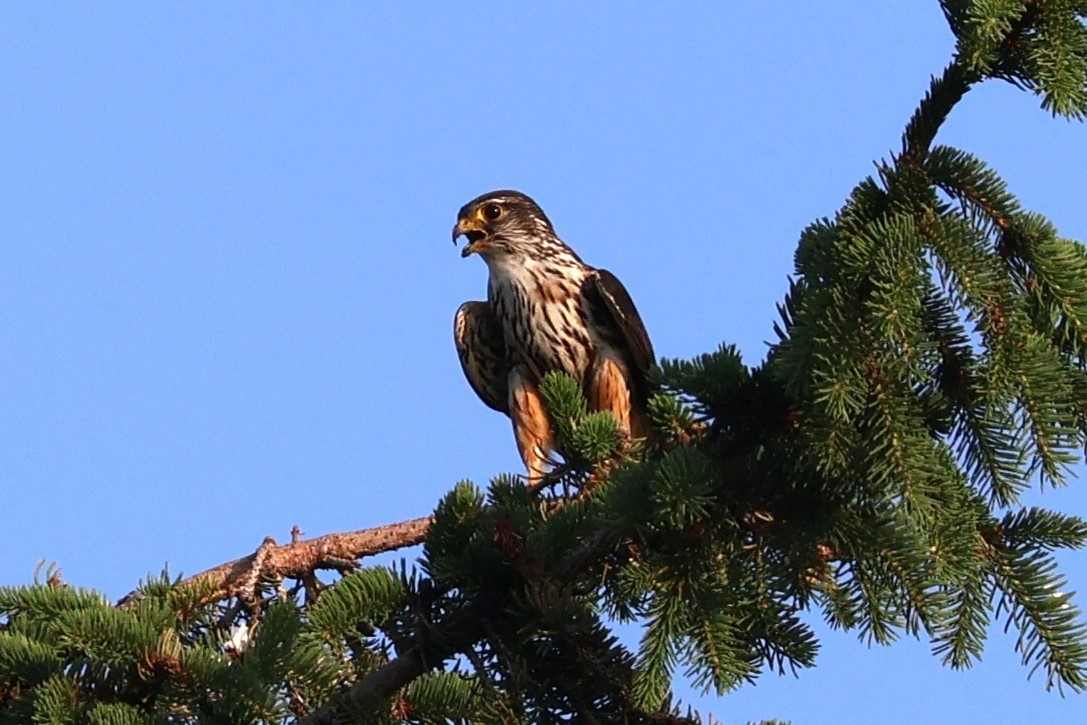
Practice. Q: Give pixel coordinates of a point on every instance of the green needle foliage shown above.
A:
(930, 366)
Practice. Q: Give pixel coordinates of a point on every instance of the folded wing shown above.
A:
(616, 318)
(478, 336)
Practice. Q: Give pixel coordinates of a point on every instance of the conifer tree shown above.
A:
(930, 366)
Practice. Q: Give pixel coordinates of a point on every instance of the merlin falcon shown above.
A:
(546, 310)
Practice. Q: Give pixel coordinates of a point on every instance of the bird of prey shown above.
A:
(546, 310)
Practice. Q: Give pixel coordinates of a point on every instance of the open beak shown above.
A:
(473, 231)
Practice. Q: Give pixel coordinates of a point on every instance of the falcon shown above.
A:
(546, 310)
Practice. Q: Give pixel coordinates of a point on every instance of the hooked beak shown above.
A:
(474, 231)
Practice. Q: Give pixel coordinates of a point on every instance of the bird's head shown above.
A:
(502, 223)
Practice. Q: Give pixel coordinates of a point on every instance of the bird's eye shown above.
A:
(492, 212)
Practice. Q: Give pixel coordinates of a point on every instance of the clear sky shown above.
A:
(227, 283)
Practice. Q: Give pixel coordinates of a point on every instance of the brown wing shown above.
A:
(617, 319)
(478, 335)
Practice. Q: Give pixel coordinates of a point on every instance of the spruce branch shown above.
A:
(943, 93)
(459, 634)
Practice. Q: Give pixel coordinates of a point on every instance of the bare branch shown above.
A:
(300, 559)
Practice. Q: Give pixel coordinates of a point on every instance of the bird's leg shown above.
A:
(531, 425)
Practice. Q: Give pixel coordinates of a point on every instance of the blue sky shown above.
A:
(227, 285)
